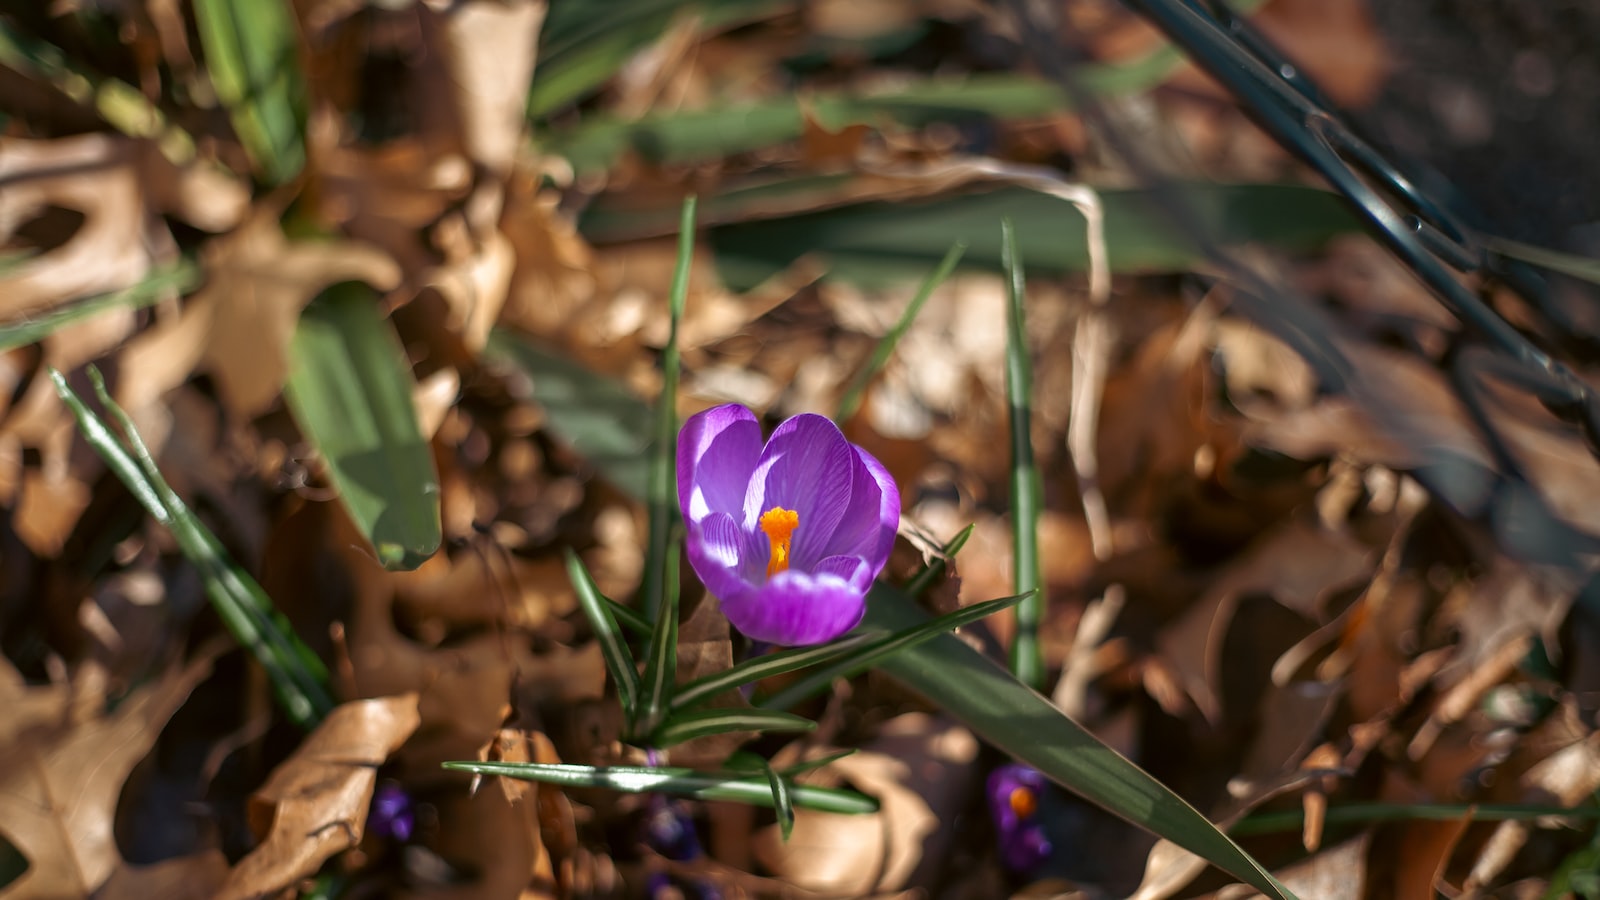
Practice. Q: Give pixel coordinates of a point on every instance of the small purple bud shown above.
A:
(393, 816)
(671, 833)
(1014, 793)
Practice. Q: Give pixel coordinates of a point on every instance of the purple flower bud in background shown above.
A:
(1014, 792)
(393, 815)
(789, 534)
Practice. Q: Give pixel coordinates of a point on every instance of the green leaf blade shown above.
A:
(1027, 657)
(251, 53)
(299, 679)
(706, 722)
(613, 648)
(350, 389)
(736, 787)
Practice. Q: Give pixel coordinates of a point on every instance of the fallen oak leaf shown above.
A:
(315, 804)
(61, 776)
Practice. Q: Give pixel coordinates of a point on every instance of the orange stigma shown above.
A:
(779, 524)
(1023, 803)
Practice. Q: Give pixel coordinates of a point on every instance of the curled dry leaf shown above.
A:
(239, 325)
(95, 176)
(62, 773)
(315, 804)
(921, 769)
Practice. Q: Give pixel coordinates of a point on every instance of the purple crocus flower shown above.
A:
(789, 534)
(1014, 793)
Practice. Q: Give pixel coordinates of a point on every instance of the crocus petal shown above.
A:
(868, 525)
(853, 569)
(717, 453)
(806, 466)
(721, 552)
(796, 608)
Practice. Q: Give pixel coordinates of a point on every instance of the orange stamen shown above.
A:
(1023, 802)
(779, 524)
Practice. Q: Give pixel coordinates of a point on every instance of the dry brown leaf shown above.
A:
(193, 877)
(490, 46)
(239, 325)
(920, 768)
(1424, 852)
(1299, 565)
(62, 772)
(96, 176)
(555, 272)
(1337, 873)
(315, 803)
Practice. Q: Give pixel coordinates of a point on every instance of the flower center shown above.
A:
(1023, 802)
(779, 524)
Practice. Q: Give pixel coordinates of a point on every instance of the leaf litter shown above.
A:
(1316, 612)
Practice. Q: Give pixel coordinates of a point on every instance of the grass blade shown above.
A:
(662, 492)
(628, 617)
(177, 278)
(1027, 659)
(661, 659)
(772, 664)
(349, 389)
(702, 723)
(298, 677)
(935, 569)
(882, 242)
(737, 787)
(851, 401)
(885, 646)
(619, 659)
(122, 105)
(1292, 820)
(782, 802)
(819, 762)
(250, 53)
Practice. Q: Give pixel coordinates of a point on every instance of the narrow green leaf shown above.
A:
(819, 762)
(1364, 813)
(662, 492)
(251, 55)
(768, 666)
(602, 420)
(680, 137)
(584, 44)
(1027, 658)
(298, 677)
(733, 786)
(179, 277)
(122, 105)
(619, 659)
(350, 390)
(782, 802)
(883, 242)
(661, 657)
(935, 569)
(628, 618)
(851, 401)
(886, 644)
(970, 688)
(704, 722)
